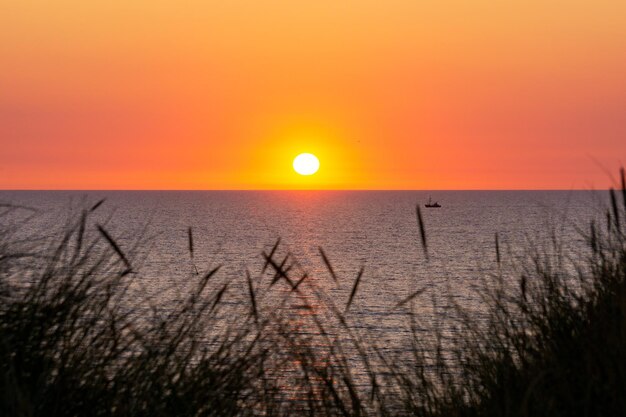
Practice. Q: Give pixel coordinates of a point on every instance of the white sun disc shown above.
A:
(306, 164)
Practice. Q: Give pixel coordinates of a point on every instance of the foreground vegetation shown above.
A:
(75, 340)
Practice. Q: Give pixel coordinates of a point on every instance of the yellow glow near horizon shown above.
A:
(306, 164)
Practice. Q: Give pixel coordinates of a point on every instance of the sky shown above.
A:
(395, 94)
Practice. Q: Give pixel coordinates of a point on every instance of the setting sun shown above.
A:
(306, 164)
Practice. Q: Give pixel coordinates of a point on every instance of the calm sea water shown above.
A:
(375, 230)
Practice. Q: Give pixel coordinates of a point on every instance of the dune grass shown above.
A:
(76, 340)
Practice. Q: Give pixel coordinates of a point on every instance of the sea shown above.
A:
(328, 237)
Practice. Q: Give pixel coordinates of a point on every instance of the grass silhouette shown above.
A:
(74, 340)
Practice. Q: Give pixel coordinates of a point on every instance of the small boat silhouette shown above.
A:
(430, 204)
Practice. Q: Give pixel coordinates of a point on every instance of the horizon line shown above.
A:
(299, 189)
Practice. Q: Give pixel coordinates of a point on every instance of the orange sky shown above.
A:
(399, 94)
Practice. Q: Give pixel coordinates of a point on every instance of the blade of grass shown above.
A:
(98, 204)
(593, 237)
(219, 296)
(410, 297)
(190, 236)
(271, 255)
(354, 287)
(255, 313)
(497, 249)
(279, 272)
(420, 223)
(328, 265)
(615, 210)
(623, 188)
(116, 248)
(205, 279)
(300, 281)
